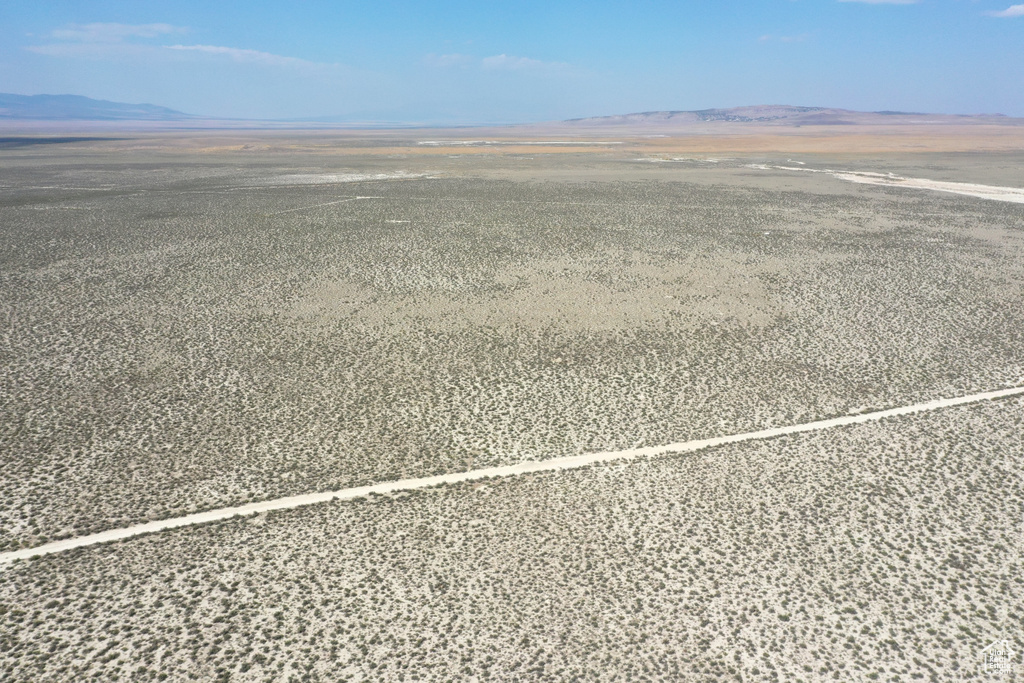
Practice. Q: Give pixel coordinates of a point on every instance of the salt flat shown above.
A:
(995, 193)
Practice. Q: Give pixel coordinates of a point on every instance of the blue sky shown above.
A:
(462, 62)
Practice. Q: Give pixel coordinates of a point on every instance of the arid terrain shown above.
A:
(195, 320)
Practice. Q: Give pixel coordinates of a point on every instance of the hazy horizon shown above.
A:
(71, 107)
(460, 63)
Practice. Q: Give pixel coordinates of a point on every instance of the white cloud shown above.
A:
(1011, 11)
(500, 62)
(115, 41)
(247, 56)
(446, 61)
(509, 63)
(93, 50)
(103, 40)
(118, 50)
(112, 33)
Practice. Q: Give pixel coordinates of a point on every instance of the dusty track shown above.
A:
(505, 471)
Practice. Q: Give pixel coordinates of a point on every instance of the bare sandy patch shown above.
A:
(333, 178)
(992, 192)
(995, 193)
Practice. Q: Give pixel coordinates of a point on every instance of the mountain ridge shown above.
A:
(779, 114)
(81, 108)
(56, 108)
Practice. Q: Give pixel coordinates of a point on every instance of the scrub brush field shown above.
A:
(193, 323)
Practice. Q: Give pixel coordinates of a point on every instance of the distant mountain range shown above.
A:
(779, 115)
(76, 107)
(79, 108)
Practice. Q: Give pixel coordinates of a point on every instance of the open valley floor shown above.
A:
(194, 321)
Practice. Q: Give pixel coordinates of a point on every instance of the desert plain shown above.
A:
(203, 319)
